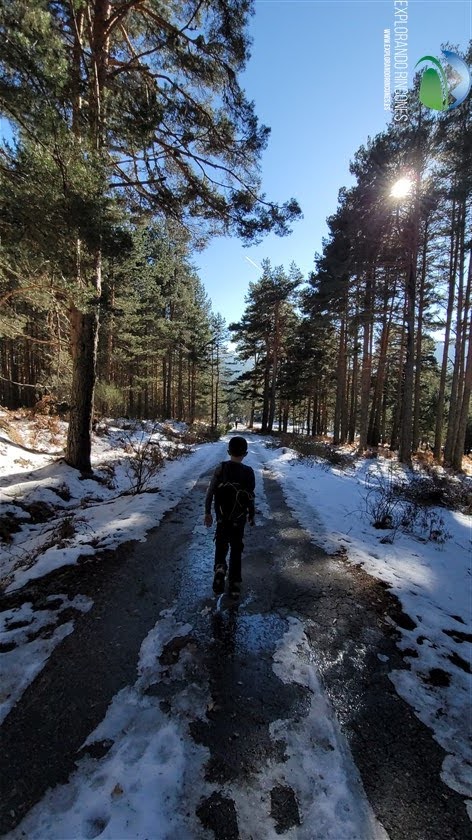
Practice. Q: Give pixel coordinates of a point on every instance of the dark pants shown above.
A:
(229, 535)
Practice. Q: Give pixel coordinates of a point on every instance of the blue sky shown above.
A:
(316, 76)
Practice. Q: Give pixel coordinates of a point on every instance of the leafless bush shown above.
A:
(64, 531)
(424, 523)
(173, 453)
(382, 499)
(273, 443)
(11, 431)
(9, 524)
(316, 451)
(45, 426)
(433, 487)
(106, 475)
(201, 433)
(395, 502)
(44, 406)
(145, 459)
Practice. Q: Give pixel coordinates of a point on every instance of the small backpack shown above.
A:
(231, 499)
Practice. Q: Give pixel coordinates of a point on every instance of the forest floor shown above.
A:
(331, 703)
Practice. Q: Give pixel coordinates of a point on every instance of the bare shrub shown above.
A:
(382, 499)
(9, 525)
(11, 431)
(145, 459)
(201, 433)
(46, 428)
(192, 434)
(173, 453)
(63, 491)
(432, 486)
(65, 531)
(396, 502)
(44, 406)
(273, 443)
(106, 475)
(424, 523)
(311, 450)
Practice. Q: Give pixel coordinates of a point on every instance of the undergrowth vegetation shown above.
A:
(395, 499)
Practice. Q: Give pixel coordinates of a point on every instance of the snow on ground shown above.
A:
(86, 517)
(27, 639)
(82, 516)
(432, 581)
(146, 782)
(151, 780)
(319, 766)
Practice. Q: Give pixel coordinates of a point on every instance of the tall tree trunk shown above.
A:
(180, 386)
(464, 406)
(374, 433)
(354, 389)
(251, 416)
(341, 384)
(85, 324)
(419, 346)
(406, 429)
(275, 366)
(194, 392)
(169, 383)
(266, 392)
(398, 385)
(84, 343)
(458, 451)
(164, 387)
(316, 409)
(217, 384)
(366, 362)
(454, 405)
(110, 336)
(453, 261)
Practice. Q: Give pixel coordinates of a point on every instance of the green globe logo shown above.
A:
(435, 90)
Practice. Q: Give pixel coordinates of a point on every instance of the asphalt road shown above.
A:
(345, 614)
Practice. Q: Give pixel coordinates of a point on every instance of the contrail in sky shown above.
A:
(259, 268)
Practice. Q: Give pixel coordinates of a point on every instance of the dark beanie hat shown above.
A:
(237, 446)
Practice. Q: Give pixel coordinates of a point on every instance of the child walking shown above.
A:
(232, 487)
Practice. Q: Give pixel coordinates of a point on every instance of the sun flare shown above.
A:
(401, 188)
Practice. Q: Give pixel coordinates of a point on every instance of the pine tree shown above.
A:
(261, 332)
(140, 104)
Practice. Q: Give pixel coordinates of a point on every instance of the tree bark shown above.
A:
(84, 335)
(406, 429)
(341, 385)
(275, 364)
(85, 324)
(366, 363)
(454, 406)
(419, 346)
(453, 258)
(458, 451)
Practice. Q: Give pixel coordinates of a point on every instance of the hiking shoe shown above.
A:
(219, 582)
(234, 590)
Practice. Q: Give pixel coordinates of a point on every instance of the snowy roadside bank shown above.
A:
(59, 516)
(432, 582)
(83, 518)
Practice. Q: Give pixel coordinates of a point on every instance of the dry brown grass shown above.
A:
(11, 431)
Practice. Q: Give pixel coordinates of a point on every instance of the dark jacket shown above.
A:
(234, 472)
